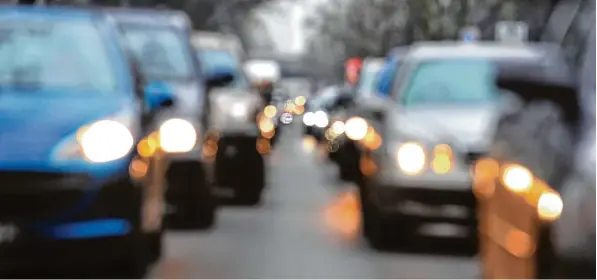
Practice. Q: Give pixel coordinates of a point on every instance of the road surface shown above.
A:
(306, 227)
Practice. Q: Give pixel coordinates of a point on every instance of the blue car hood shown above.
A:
(32, 124)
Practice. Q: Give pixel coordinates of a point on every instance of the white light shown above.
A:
(338, 127)
(321, 119)
(106, 141)
(239, 110)
(411, 158)
(177, 136)
(356, 128)
(549, 206)
(309, 119)
(518, 178)
(286, 118)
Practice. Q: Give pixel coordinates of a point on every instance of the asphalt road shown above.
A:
(306, 227)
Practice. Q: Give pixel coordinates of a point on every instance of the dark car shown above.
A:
(537, 185)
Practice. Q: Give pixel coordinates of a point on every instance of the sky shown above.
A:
(286, 24)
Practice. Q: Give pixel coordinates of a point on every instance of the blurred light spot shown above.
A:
(145, 148)
(309, 119)
(300, 100)
(268, 134)
(485, 171)
(343, 217)
(549, 206)
(263, 146)
(266, 125)
(367, 166)
(517, 178)
(518, 243)
(286, 118)
(309, 144)
(299, 109)
(270, 111)
(138, 168)
(441, 164)
(338, 127)
(210, 148)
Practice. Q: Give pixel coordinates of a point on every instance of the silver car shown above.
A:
(237, 139)
(438, 120)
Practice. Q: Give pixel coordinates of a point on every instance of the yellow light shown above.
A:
(517, 178)
(549, 206)
(263, 146)
(411, 158)
(270, 111)
(441, 164)
(266, 125)
(442, 159)
(300, 100)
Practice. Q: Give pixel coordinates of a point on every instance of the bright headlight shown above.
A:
(309, 119)
(411, 158)
(356, 128)
(517, 178)
(177, 136)
(549, 206)
(239, 110)
(321, 119)
(105, 141)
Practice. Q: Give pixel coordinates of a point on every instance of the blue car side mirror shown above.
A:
(158, 95)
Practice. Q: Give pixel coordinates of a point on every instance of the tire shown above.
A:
(155, 245)
(249, 187)
(349, 165)
(192, 196)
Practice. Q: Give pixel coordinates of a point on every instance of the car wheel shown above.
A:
(188, 190)
(249, 187)
(155, 246)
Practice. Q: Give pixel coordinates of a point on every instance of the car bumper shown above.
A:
(59, 225)
(428, 199)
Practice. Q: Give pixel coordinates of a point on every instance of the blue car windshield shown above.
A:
(162, 53)
(451, 81)
(212, 60)
(54, 53)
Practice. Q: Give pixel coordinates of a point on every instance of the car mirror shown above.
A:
(158, 95)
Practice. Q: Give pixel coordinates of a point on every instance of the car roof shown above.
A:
(373, 61)
(50, 11)
(398, 52)
(149, 16)
(490, 50)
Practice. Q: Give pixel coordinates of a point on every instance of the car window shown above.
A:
(162, 52)
(217, 59)
(385, 76)
(450, 81)
(58, 53)
(368, 78)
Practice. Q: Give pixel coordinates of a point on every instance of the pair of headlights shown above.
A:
(109, 140)
(319, 119)
(412, 158)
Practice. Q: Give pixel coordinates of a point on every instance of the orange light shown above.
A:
(263, 146)
(138, 168)
(442, 160)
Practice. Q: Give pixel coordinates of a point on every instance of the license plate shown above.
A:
(443, 230)
(8, 233)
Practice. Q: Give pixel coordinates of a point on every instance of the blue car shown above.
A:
(71, 115)
(389, 69)
(159, 42)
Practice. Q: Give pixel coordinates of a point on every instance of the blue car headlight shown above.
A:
(102, 141)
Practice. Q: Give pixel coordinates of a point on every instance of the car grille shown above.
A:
(31, 196)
